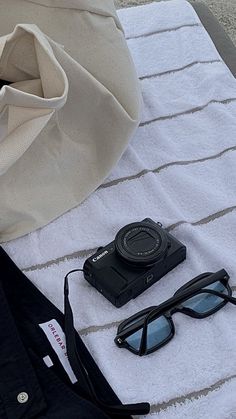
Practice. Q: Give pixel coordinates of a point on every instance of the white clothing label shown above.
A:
(47, 360)
(57, 339)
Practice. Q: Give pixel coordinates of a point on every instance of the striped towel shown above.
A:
(179, 169)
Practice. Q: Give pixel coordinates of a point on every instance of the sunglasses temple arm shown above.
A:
(143, 343)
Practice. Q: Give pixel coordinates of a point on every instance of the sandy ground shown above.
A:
(224, 10)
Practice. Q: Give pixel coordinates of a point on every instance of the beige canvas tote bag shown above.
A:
(69, 110)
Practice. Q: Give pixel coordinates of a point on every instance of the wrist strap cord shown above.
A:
(80, 370)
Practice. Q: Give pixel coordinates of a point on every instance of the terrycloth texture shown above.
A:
(70, 110)
(180, 170)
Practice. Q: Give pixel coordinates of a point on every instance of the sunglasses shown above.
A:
(153, 327)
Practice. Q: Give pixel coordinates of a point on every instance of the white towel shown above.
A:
(180, 170)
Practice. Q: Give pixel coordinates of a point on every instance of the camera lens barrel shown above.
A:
(142, 243)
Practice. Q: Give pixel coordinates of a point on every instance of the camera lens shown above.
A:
(141, 243)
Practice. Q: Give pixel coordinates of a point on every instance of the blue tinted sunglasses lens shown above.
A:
(204, 303)
(159, 330)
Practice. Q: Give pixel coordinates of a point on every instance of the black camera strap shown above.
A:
(80, 370)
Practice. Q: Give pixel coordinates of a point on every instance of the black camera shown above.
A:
(141, 254)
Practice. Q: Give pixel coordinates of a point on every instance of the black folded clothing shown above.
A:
(36, 378)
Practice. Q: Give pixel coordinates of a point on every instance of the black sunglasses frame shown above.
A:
(169, 307)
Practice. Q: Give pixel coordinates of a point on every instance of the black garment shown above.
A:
(23, 345)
